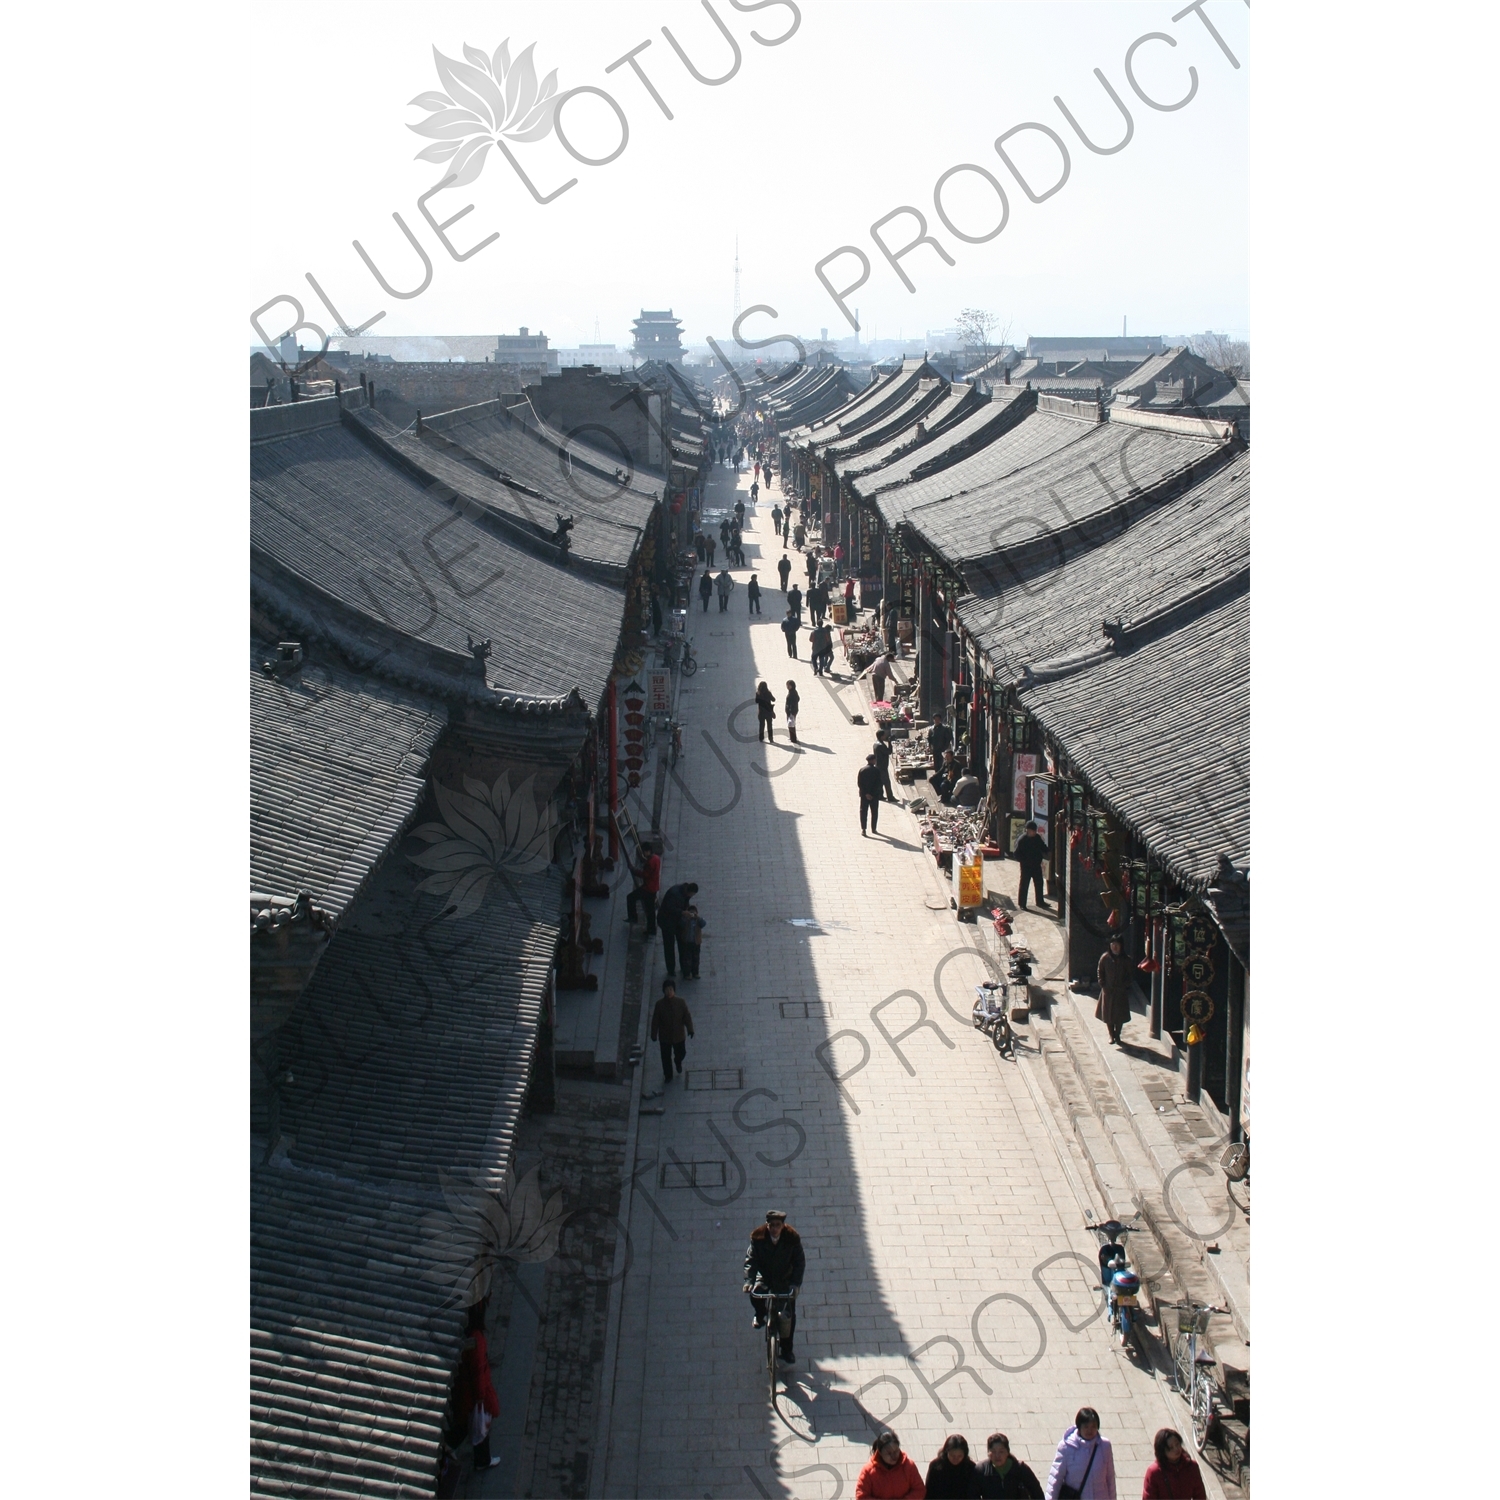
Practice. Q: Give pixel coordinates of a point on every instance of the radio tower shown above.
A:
(736, 278)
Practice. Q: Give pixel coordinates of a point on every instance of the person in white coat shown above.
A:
(1085, 1462)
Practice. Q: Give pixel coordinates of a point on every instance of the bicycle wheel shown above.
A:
(771, 1353)
(689, 666)
(1182, 1365)
(1202, 1409)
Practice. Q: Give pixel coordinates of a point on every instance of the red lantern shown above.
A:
(1149, 965)
(1114, 916)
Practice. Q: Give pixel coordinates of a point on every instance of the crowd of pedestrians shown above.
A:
(1083, 1468)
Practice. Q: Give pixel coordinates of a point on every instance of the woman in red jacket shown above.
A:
(890, 1474)
(1174, 1476)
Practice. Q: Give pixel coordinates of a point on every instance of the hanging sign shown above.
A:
(1200, 932)
(1041, 801)
(1198, 970)
(659, 690)
(1024, 767)
(1197, 1008)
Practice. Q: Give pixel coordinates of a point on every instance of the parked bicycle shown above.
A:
(1121, 1284)
(776, 1308)
(1192, 1363)
(674, 754)
(689, 660)
(991, 1015)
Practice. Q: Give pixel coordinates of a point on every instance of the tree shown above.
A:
(974, 326)
(1232, 356)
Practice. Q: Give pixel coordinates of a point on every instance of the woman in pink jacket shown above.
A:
(1085, 1462)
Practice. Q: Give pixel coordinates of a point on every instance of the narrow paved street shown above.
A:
(834, 1073)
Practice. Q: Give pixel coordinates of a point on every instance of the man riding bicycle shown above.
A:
(775, 1262)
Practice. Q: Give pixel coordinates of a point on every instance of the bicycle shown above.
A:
(689, 661)
(674, 754)
(776, 1308)
(1191, 1364)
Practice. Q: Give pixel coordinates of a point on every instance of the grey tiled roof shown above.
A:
(1071, 488)
(351, 1350)
(409, 1058)
(336, 771)
(899, 418)
(868, 406)
(1162, 734)
(1032, 439)
(952, 404)
(1161, 562)
(342, 523)
(453, 448)
(991, 415)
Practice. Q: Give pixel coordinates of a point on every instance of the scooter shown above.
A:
(1121, 1284)
(989, 1016)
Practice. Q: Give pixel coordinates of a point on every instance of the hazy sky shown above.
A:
(859, 112)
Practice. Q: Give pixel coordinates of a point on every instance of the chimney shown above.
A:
(1007, 374)
(523, 330)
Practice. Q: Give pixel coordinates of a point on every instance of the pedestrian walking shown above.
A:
(647, 884)
(1114, 989)
(812, 567)
(793, 702)
(883, 764)
(474, 1397)
(668, 915)
(724, 585)
(799, 535)
(776, 519)
(953, 1475)
(757, 468)
(739, 513)
(1002, 1476)
(724, 532)
(700, 546)
(1174, 1476)
(754, 493)
(869, 783)
(690, 941)
(705, 588)
(1085, 1463)
(1031, 852)
(889, 1474)
(794, 598)
(789, 628)
(823, 661)
(752, 590)
(712, 547)
(784, 567)
(838, 560)
(851, 609)
(671, 1026)
(765, 713)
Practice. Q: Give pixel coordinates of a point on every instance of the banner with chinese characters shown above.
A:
(1023, 767)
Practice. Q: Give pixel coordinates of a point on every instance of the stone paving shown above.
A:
(835, 1074)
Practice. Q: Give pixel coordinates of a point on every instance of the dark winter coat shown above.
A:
(765, 703)
(871, 783)
(947, 1481)
(793, 701)
(753, 588)
(1031, 850)
(780, 1264)
(705, 586)
(671, 1021)
(1114, 990)
(790, 626)
(673, 904)
(1017, 1483)
(882, 756)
